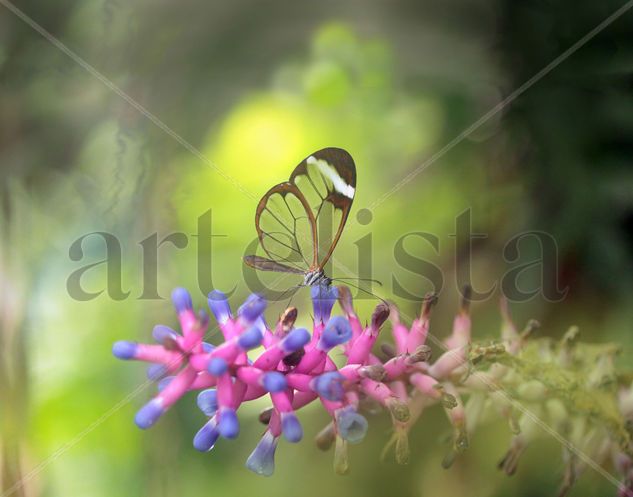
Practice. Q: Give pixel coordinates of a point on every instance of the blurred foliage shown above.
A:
(577, 163)
(256, 87)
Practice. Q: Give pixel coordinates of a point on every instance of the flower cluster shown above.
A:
(567, 387)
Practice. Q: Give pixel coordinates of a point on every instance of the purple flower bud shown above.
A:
(219, 305)
(323, 299)
(162, 333)
(262, 459)
(208, 401)
(206, 437)
(207, 347)
(260, 324)
(229, 426)
(336, 332)
(147, 415)
(156, 371)
(250, 339)
(274, 382)
(217, 366)
(124, 349)
(162, 384)
(203, 319)
(252, 308)
(291, 428)
(329, 386)
(295, 340)
(181, 299)
(351, 425)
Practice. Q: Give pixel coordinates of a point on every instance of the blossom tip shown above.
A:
(351, 425)
(147, 415)
(336, 332)
(274, 382)
(296, 339)
(252, 308)
(219, 305)
(124, 349)
(329, 386)
(207, 401)
(217, 366)
(205, 439)
(181, 299)
(262, 459)
(291, 427)
(250, 339)
(229, 425)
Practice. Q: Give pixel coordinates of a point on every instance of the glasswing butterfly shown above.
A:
(294, 219)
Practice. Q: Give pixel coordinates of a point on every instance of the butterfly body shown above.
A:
(316, 277)
(294, 219)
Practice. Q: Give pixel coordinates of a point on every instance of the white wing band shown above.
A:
(329, 172)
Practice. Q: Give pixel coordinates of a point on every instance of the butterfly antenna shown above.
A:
(359, 279)
(367, 291)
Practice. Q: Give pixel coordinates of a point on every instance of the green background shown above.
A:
(255, 87)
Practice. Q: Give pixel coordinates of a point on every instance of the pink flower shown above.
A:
(293, 368)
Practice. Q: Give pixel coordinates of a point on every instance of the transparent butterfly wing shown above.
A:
(299, 222)
(327, 180)
(286, 227)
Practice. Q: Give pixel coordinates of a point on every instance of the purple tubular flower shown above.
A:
(295, 340)
(162, 333)
(291, 428)
(147, 415)
(124, 350)
(162, 384)
(207, 436)
(351, 425)
(252, 308)
(250, 339)
(217, 366)
(208, 401)
(156, 371)
(274, 382)
(229, 426)
(323, 299)
(336, 332)
(219, 305)
(203, 318)
(296, 369)
(181, 299)
(262, 459)
(260, 324)
(329, 386)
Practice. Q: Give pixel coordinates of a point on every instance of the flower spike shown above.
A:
(567, 383)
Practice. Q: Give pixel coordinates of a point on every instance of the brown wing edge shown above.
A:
(286, 188)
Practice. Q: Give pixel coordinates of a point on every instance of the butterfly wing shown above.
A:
(327, 181)
(286, 227)
(295, 219)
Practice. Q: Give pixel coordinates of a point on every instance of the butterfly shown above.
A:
(294, 219)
